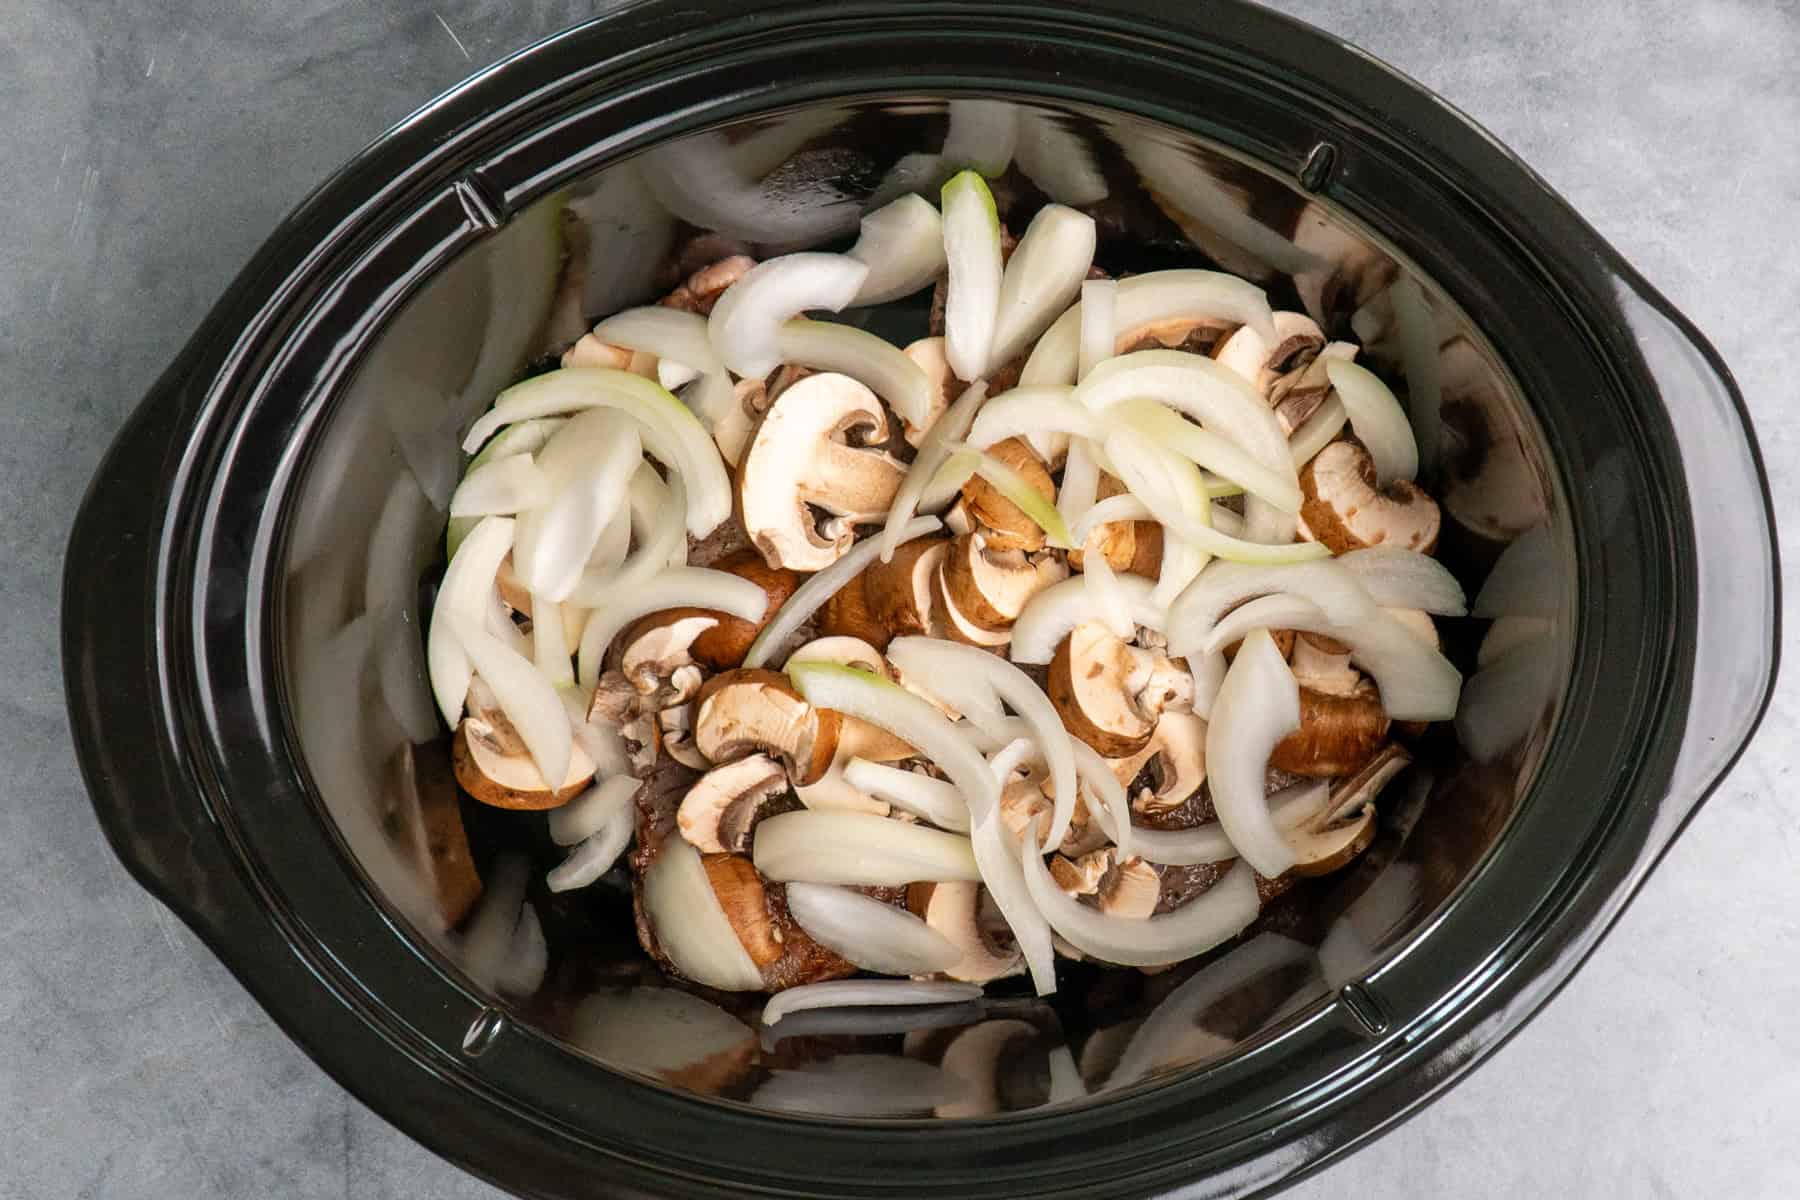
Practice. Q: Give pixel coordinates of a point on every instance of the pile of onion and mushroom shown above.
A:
(1080, 628)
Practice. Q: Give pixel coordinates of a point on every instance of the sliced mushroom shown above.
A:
(741, 894)
(958, 911)
(590, 351)
(702, 289)
(1322, 664)
(1081, 876)
(1175, 760)
(992, 586)
(720, 811)
(1297, 395)
(1006, 525)
(847, 651)
(857, 738)
(657, 655)
(945, 387)
(1337, 734)
(898, 592)
(750, 710)
(1110, 693)
(731, 433)
(1028, 802)
(493, 766)
(1342, 508)
(724, 646)
(1130, 889)
(1194, 335)
(1345, 825)
(1131, 546)
(813, 451)
(956, 625)
(1297, 342)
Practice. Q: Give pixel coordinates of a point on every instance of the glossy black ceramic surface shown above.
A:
(237, 703)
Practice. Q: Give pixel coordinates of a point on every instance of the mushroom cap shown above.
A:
(814, 450)
(1006, 525)
(748, 710)
(702, 289)
(724, 645)
(951, 622)
(945, 387)
(489, 769)
(1129, 546)
(857, 738)
(741, 894)
(1342, 508)
(719, 812)
(845, 613)
(955, 910)
(1110, 693)
(992, 586)
(1176, 757)
(657, 653)
(1337, 734)
(898, 592)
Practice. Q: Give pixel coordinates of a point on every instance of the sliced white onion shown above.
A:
(1080, 485)
(1319, 431)
(810, 596)
(1224, 520)
(1332, 587)
(934, 800)
(919, 724)
(550, 642)
(1113, 509)
(674, 376)
(1379, 421)
(592, 811)
(711, 399)
(510, 485)
(526, 697)
(1400, 578)
(934, 658)
(859, 993)
(1217, 915)
(657, 511)
(745, 327)
(934, 451)
(1208, 674)
(903, 246)
(1048, 616)
(949, 478)
(1420, 359)
(1104, 791)
(972, 257)
(1142, 299)
(1010, 758)
(496, 920)
(594, 855)
(1258, 705)
(589, 463)
(669, 431)
(1416, 682)
(702, 180)
(1058, 160)
(601, 742)
(1209, 843)
(838, 846)
(673, 587)
(463, 599)
(865, 358)
(1042, 278)
(1109, 599)
(1019, 412)
(981, 135)
(1219, 455)
(526, 437)
(868, 933)
(691, 924)
(671, 334)
(1099, 303)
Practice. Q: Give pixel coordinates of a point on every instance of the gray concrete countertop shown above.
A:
(150, 147)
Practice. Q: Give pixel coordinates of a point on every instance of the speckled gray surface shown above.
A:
(150, 148)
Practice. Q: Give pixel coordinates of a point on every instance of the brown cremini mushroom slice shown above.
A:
(959, 911)
(814, 451)
(1110, 693)
(857, 738)
(1345, 825)
(757, 910)
(1028, 801)
(493, 766)
(1322, 664)
(719, 812)
(1194, 335)
(675, 726)
(1005, 523)
(1297, 395)
(951, 622)
(1175, 762)
(702, 289)
(1129, 546)
(749, 710)
(1298, 341)
(1342, 508)
(889, 599)
(724, 645)
(991, 586)
(590, 351)
(1337, 734)
(657, 658)
(1130, 889)
(731, 433)
(945, 387)
(1081, 875)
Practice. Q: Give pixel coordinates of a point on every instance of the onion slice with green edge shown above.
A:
(1377, 418)
(1399, 578)
(656, 520)
(672, 334)
(1042, 278)
(1215, 916)
(948, 479)
(866, 993)
(934, 450)
(929, 799)
(589, 463)
(595, 854)
(528, 699)
(550, 642)
(903, 246)
(592, 811)
(1257, 706)
(511, 485)
(868, 933)
(934, 658)
(973, 260)
(1021, 411)
(1010, 484)
(810, 596)
(673, 587)
(858, 848)
(746, 323)
(1113, 509)
(1222, 456)
(1328, 584)
(1416, 682)
(1048, 616)
(1099, 303)
(691, 924)
(1142, 299)
(463, 598)
(1319, 431)
(914, 721)
(1109, 598)
(668, 430)
(865, 358)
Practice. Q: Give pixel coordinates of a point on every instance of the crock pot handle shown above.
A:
(1738, 636)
